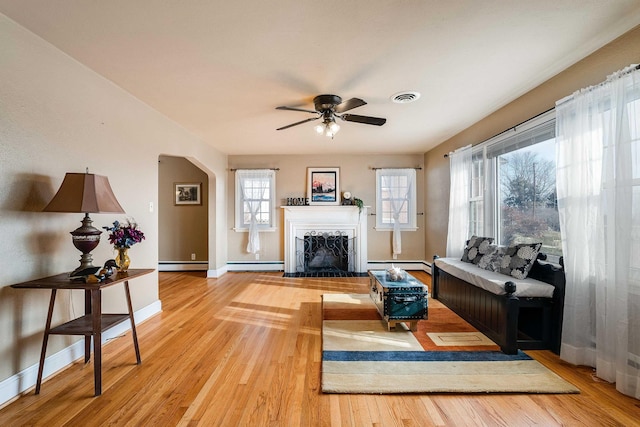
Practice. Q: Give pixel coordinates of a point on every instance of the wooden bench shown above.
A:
(511, 321)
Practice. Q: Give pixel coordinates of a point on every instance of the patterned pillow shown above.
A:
(492, 260)
(518, 259)
(476, 248)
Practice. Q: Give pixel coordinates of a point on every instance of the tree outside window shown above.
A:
(527, 198)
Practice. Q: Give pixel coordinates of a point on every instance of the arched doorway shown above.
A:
(183, 215)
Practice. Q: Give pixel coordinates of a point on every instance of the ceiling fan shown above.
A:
(330, 107)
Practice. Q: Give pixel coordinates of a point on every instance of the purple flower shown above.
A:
(124, 235)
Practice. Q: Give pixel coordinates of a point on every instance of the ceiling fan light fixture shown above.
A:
(327, 108)
(328, 128)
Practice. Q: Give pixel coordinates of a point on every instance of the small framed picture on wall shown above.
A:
(323, 186)
(188, 193)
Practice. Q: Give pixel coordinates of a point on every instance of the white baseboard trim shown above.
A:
(239, 266)
(183, 266)
(15, 385)
(255, 266)
(419, 265)
(219, 272)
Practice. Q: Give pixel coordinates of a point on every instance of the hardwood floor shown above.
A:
(244, 350)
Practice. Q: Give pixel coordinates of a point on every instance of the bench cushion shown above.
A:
(492, 281)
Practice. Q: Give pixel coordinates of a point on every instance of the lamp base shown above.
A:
(85, 238)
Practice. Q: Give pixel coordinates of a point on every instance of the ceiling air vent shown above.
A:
(405, 97)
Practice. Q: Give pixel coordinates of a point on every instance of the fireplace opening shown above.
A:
(325, 253)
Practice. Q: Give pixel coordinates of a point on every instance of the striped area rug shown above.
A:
(445, 354)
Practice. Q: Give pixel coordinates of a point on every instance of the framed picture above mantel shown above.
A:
(323, 186)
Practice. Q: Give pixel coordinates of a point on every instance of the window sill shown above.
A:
(391, 228)
(246, 230)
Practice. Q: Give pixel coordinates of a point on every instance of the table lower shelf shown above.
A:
(84, 325)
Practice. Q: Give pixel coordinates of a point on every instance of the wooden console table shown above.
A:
(92, 324)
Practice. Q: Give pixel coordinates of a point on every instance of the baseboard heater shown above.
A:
(183, 265)
(416, 265)
(239, 266)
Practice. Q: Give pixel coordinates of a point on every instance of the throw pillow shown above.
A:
(492, 260)
(476, 248)
(518, 259)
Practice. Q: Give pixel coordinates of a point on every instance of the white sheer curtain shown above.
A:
(459, 196)
(254, 185)
(598, 184)
(399, 199)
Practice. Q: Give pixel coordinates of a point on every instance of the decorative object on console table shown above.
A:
(188, 193)
(122, 237)
(122, 260)
(85, 193)
(323, 186)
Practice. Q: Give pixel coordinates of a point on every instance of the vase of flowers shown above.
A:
(122, 259)
(122, 236)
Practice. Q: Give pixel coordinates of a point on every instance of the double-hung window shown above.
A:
(255, 198)
(513, 189)
(396, 199)
(476, 200)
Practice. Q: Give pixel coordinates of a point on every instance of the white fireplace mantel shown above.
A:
(299, 220)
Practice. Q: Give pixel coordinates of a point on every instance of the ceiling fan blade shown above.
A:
(349, 104)
(298, 123)
(296, 109)
(378, 121)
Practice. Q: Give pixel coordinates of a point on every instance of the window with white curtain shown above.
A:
(476, 200)
(255, 193)
(513, 191)
(396, 199)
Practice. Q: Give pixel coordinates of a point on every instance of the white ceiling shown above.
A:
(220, 68)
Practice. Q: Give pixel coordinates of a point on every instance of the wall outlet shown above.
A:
(193, 257)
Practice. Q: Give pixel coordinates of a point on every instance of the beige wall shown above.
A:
(183, 228)
(356, 176)
(591, 70)
(57, 116)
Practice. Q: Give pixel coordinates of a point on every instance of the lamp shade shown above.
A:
(84, 192)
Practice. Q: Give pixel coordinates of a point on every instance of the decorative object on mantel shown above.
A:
(122, 237)
(323, 186)
(396, 274)
(346, 199)
(359, 203)
(297, 201)
(85, 193)
(349, 200)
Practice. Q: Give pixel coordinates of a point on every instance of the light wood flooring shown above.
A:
(244, 350)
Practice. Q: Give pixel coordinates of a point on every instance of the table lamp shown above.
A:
(85, 193)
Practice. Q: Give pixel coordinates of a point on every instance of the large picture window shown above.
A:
(513, 191)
